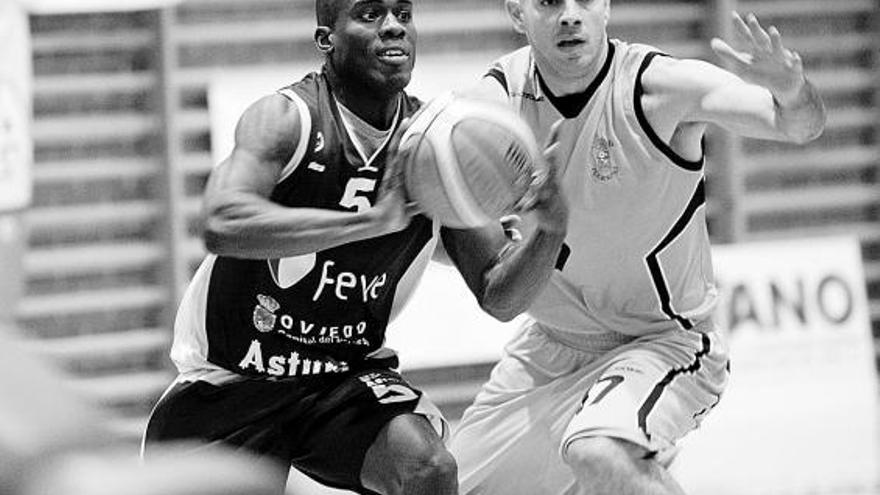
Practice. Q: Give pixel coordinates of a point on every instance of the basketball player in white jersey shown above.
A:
(620, 358)
(279, 338)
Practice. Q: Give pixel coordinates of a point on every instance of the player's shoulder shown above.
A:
(272, 111)
(285, 107)
(308, 87)
(682, 76)
(520, 59)
(271, 124)
(523, 52)
(508, 72)
(627, 53)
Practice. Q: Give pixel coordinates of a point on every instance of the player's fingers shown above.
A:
(797, 62)
(513, 234)
(532, 194)
(551, 144)
(510, 224)
(728, 54)
(776, 41)
(510, 221)
(394, 142)
(393, 183)
(550, 185)
(553, 135)
(395, 163)
(391, 177)
(411, 208)
(526, 203)
(551, 155)
(762, 40)
(741, 32)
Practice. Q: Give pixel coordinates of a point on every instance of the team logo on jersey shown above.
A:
(603, 169)
(264, 313)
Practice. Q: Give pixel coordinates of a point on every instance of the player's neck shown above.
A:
(376, 110)
(562, 83)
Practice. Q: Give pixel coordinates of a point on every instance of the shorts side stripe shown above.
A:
(655, 394)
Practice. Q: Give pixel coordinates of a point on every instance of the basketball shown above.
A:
(467, 162)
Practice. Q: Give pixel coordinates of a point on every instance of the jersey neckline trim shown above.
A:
(348, 137)
(570, 106)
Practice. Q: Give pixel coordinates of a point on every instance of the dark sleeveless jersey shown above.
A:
(316, 313)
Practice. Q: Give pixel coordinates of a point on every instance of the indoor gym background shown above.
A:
(122, 139)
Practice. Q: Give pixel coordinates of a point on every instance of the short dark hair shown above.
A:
(327, 11)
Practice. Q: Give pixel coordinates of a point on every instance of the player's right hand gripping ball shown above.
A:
(467, 162)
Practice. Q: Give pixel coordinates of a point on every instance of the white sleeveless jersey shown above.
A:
(636, 259)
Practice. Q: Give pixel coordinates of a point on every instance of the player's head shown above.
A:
(368, 42)
(567, 35)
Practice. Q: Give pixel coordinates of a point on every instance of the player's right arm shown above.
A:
(765, 93)
(241, 221)
(503, 270)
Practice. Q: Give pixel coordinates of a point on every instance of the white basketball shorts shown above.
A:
(543, 395)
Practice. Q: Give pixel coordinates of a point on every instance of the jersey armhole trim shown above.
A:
(305, 119)
(638, 92)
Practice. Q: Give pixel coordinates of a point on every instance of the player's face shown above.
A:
(374, 42)
(567, 34)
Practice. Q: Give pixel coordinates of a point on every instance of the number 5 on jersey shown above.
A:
(355, 194)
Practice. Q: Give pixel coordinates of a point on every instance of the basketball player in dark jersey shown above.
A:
(279, 338)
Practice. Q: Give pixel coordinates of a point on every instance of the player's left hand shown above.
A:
(545, 197)
(759, 57)
(393, 210)
(395, 163)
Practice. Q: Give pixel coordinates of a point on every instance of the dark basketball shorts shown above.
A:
(323, 426)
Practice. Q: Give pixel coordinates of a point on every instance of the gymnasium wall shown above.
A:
(123, 148)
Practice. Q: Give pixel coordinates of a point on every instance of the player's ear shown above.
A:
(514, 10)
(324, 39)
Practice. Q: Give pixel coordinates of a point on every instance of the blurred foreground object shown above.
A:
(53, 441)
(175, 471)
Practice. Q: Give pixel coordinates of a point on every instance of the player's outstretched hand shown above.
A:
(545, 197)
(758, 56)
(393, 207)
